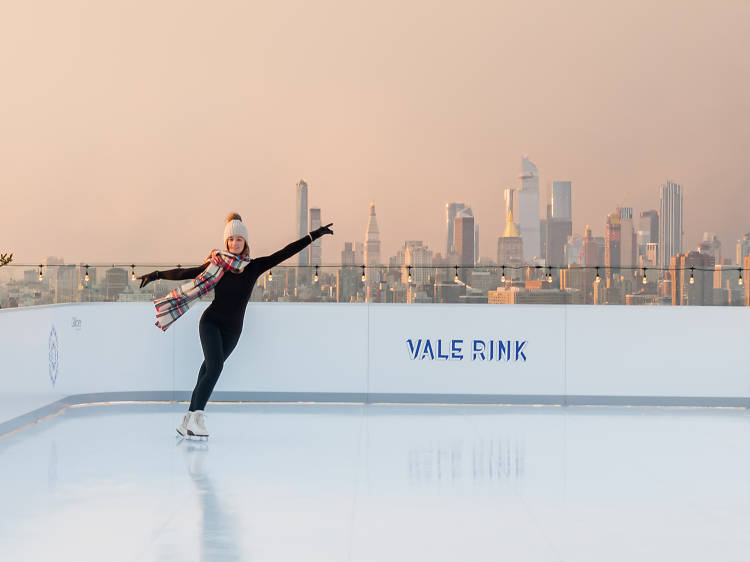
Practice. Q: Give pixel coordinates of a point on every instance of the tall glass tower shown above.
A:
(303, 258)
(315, 246)
(670, 222)
(451, 210)
(528, 210)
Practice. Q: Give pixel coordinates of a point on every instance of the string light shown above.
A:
(132, 272)
(86, 277)
(692, 277)
(455, 278)
(739, 279)
(598, 278)
(409, 269)
(270, 275)
(41, 276)
(645, 279)
(502, 277)
(315, 277)
(363, 274)
(549, 275)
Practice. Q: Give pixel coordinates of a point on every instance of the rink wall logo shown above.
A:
(470, 350)
(54, 355)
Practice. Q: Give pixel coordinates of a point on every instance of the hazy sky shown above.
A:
(128, 130)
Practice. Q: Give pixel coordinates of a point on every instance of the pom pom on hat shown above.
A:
(235, 227)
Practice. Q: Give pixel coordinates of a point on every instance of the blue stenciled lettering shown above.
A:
(456, 351)
(497, 350)
(440, 349)
(427, 349)
(413, 350)
(503, 348)
(519, 348)
(477, 350)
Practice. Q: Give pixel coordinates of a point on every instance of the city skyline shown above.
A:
(99, 141)
(451, 211)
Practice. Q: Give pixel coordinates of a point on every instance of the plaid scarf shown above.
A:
(177, 302)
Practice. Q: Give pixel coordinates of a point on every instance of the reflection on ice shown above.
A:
(479, 460)
(218, 538)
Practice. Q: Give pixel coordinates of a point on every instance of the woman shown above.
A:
(232, 276)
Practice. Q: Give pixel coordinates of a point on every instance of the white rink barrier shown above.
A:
(516, 354)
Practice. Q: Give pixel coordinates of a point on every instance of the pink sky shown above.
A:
(129, 130)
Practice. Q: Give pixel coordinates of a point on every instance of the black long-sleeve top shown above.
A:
(232, 292)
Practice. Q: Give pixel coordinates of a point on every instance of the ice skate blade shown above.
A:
(193, 437)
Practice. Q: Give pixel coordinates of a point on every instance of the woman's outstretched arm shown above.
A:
(172, 274)
(267, 262)
(182, 273)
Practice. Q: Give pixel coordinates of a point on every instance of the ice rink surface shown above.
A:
(356, 482)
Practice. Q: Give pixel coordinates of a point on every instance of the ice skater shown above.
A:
(231, 274)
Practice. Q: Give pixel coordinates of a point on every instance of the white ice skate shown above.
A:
(196, 426)
(182, 428)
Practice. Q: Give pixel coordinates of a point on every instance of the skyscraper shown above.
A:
(590, 249)
(372, 242)
(464, 242)
(558, 225)
(650, 223)
(670, 222)
(510, 204)
(315, 245)
(528, 209)
(303, 257)
(561, 201)
(418, 255)
(743, 248)
(557, 233)
(347, 254)
(574, 250)
(612, 243)
(476, 242)
(628, 246)
(701, 267)
(711, 245)
(510, 248)
(451, 210)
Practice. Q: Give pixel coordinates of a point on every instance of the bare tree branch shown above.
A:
(5, 259)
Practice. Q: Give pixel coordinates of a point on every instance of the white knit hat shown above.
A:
(235, 228)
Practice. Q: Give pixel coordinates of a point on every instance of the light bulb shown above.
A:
(270, 275)
(739, 279)
(692, 278)
(315, 277)
(598, 279)
(645, 279)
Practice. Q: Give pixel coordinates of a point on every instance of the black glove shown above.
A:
(318, 232)
(146, 279)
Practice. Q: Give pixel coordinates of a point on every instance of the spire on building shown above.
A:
(372, 239)
(510, 226)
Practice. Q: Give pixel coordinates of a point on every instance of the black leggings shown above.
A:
(217, 345)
